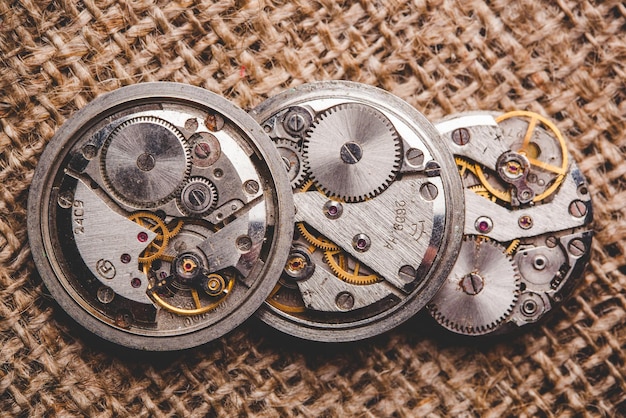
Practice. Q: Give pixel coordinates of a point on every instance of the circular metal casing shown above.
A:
(89, 224)
(378, 237)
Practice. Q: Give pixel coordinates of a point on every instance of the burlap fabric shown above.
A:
(564, 59)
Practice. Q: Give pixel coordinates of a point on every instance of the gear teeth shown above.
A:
(455, 310)
(350, 191)
(299, 178)
(349, 277)
(319, 242)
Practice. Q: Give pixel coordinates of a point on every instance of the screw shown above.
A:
(202, 150)
(244, 243)
(89, 151)
(123, 319)
(191, 124)
(483, 224)
(214, 122)
(461, 136)
(351, 153)
(576, 247)
(552, 241)
(295, 122)
(578, 208)
(525, 222)
(105, 294)
(197, 197)
(251, 187)
(345, 301)
(415, 157)
(472, 284)
(66, 200)
(432, 169)
(407, 273)
(429, 191)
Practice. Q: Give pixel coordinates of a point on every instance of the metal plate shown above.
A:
(160, 216)
(528, 205)
(379, 210)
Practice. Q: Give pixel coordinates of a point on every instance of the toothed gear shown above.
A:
(198, 196)
(352, 151)
(481, 290)
(145, 161)
(291, 155)
(348, 269)
(317, 241)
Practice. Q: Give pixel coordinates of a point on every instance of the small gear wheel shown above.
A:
(157, 247)
(291, 155)
(198, 196)
(352, 151)
(481, 290)
(348, 269)
(144, 161)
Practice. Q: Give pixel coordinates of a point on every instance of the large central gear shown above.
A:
(145, 161)
(352, 152)
(481, 290)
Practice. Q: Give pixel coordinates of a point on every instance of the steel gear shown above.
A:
(198, 196)
(481, 290)
(348, 269)
(158, 245)
(352, 151)
(291, 154)
(145, 161)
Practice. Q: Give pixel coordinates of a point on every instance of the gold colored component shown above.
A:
(189, 265)
(215, 285)
(512, 246)
(464, 165)
(272, 299)
(320, 242)
(155, 224)
(176, 229)
(201, 305)
(531, 152)
(339, 262)
(296, 263)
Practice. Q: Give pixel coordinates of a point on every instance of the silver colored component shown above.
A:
(291, 154)
(145, 161)
(481, 290)
(198, 196)
(101, 246)
(528, 199)
(381, 243)
(145, 245)
(352, 151)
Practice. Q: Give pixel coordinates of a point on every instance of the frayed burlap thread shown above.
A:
(564, 59)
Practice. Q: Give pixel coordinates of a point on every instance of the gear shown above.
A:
(348, 269)
(352, 151)
(291, 154)
(318, 241)
(481, 290)
(155, 224)
(197, 197)
(144, 161)
(541, 144)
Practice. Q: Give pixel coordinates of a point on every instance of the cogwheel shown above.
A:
(352, 152)
(480, 190)
(144, 161)
(197, 197)
(481, 290)
(348, 269)
(291, 155)
(155, 224)
(318, 241)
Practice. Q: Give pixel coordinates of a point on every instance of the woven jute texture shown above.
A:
(564, 59)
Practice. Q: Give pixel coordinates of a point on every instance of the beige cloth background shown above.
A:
(564, 59)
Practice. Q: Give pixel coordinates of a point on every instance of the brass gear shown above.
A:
(346, 273)
(156, 248)
(320, 241)
(531, 154)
